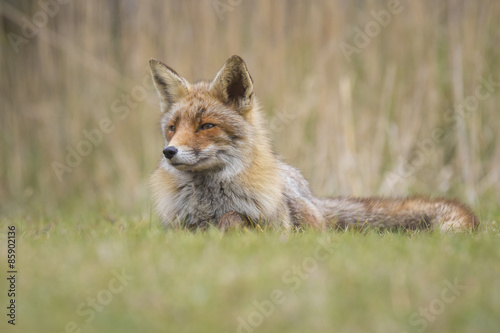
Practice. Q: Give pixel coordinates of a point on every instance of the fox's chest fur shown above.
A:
(196, 201)
(204, 200)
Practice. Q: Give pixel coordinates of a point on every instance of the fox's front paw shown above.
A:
(233, 221)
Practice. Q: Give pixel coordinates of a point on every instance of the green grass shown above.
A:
(209, 282)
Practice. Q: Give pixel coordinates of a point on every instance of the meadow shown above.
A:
(92, 275)
(364, 97)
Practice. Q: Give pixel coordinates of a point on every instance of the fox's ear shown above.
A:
(234, 84)
(170, 86)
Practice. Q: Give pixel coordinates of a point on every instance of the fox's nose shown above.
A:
(169, 152)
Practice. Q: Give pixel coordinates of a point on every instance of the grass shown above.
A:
(273, 282)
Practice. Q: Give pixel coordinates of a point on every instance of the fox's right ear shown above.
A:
(170, 86)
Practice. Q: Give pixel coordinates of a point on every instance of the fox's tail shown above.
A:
(407, 213)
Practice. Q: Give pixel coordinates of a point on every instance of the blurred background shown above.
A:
(365, 97)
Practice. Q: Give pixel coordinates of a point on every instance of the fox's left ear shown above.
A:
(234, 84)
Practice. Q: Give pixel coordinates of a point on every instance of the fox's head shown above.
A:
(207, 126)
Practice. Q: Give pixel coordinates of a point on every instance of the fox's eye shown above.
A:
(207, 126)
(171, 128)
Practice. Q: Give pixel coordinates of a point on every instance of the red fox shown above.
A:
(219, 169)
